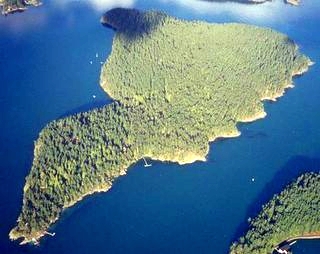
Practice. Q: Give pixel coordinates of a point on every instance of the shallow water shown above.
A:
(46, 74)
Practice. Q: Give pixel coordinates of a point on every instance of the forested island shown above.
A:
(291, 215)
(239, 1)
(176, 85)
(11, 6)
(293, 2)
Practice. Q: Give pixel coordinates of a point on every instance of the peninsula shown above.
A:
(292, 215)
(176, 85)
(11, 6)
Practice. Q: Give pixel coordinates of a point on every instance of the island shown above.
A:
(177, 85)
(292, 215)
(239, 1)
(11, 6)
(292, 2)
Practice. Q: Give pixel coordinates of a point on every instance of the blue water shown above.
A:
(46, 74)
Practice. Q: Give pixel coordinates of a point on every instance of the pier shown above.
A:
(285, 246)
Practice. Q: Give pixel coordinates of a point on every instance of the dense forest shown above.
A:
(177, 85)
(9, 6)
(293, 212)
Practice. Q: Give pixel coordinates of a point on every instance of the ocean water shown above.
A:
(45, 74)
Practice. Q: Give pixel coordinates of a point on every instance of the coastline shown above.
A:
(233, 134)
(250, 119)
(38, 235)
(182, 159)
(10, 9)
(289, 85)
(291, 215)
(290, 241)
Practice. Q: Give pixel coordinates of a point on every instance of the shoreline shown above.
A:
(289, 85)
(188, 158)
(309, 236)
(11, 10)
(38, 235)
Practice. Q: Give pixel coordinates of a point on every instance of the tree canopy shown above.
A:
(293, 212)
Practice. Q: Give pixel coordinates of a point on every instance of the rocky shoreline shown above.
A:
(9, 7)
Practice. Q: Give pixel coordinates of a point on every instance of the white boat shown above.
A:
(146, 165)
(48, 233)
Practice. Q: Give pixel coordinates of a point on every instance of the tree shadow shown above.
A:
(132, 23)
(86, 107)
(296, 166)
(253, 134)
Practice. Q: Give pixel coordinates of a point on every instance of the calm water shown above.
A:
(45, 74)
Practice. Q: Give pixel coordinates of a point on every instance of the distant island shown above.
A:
(177, 85)
(239, 1)
(293, 2)
(11, 6)
(289, 216)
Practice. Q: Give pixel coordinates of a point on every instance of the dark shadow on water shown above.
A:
(246, 133)
(86, 107)
(132, 23)
(295, 167)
